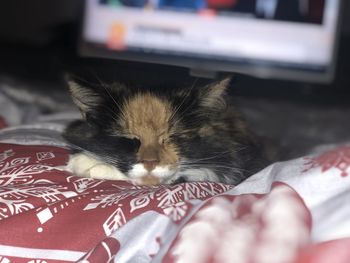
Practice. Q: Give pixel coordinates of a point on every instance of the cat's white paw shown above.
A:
(85, 166)
(80, 164)
(106, 172)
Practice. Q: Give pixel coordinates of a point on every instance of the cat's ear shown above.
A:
(84, 95)
(212, 95)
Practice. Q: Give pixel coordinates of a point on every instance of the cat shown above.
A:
(160, 136)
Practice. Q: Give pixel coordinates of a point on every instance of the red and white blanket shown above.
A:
(291, 212)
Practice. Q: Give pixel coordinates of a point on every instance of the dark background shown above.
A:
(39, 39)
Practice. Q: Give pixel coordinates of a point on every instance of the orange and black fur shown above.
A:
(155, 136)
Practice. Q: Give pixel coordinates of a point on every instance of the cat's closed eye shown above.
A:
(136, 142)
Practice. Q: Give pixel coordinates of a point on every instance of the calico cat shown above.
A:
(160, 136)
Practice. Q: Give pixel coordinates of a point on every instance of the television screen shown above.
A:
(285, 39)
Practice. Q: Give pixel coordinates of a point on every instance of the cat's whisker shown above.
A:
(175, 111)
(113, 114)
(221, 168)
(206, 165)
(204, 162)
(210, 157)
(98, 79)
(209, 164)
(113, 99)
(185, 111)
(200, 160)
(76, 147)
(102, 158)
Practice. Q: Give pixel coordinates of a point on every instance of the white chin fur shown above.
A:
(162, 171)
(138, 171)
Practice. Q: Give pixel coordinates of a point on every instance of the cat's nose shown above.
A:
(150, 164)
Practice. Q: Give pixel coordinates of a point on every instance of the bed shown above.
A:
(296, 211)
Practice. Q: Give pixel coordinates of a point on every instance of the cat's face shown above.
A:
(151, 135)
(147, 118)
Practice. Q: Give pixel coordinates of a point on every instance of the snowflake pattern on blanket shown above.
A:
(338, 158)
